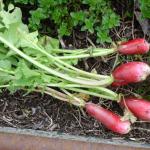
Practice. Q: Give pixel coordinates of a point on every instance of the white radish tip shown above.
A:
(124, 127)
(146, 73)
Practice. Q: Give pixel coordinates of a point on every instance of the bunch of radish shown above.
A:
(39, 66)
(131, 72)
(140, 108)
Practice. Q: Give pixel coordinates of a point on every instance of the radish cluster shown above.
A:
(36, 66)
(131, 72)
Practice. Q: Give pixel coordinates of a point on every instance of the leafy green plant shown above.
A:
(37, 64)
(96, 17)
(145, 8)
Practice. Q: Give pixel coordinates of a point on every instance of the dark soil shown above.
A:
(42, 112)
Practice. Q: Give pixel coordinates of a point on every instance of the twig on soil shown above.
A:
(5, 106)
(79, 121)
(143, 129)
(7, 121)
(62, 42)
(49, 118)
(90, 41)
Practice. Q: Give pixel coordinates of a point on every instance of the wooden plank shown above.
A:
(26, 141)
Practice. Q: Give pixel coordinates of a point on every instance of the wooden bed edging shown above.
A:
(27, 139)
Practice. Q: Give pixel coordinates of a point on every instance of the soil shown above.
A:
(43, 112)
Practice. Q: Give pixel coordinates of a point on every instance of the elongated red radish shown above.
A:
(135, 46)
(130, 72)
(139, 107)
(109, 119)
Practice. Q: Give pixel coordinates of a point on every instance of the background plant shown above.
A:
(96, 17)
(145, 8)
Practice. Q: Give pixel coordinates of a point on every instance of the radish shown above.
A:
(139, 107)
(109, 119)
(130, 72)
(135, 46)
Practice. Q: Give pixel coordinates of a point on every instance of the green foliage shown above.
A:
(14, 70)
(33, 63)
(93, 16)
(145, 8)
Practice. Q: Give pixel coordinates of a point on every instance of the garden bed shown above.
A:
(42, 112)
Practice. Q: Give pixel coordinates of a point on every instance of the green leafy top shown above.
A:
(30, 62)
